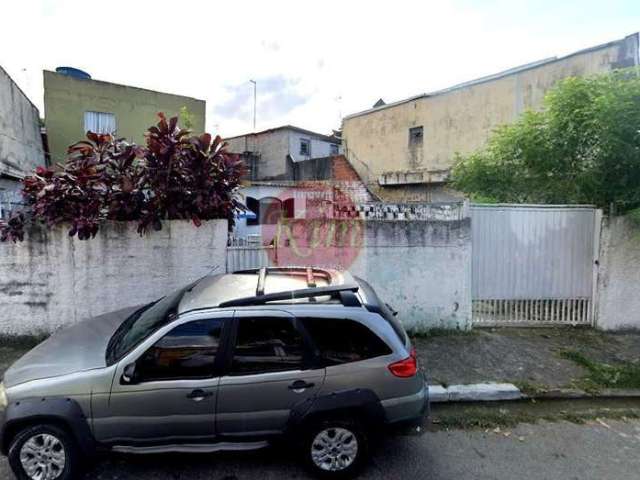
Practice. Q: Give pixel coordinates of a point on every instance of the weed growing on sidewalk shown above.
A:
(485, 418)
(603, 375)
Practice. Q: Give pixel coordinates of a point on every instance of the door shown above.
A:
(172, 395)
(268, 374)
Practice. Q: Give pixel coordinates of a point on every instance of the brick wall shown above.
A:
(343, 171)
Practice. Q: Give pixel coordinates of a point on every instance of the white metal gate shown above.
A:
(246, 257)
(533, 264)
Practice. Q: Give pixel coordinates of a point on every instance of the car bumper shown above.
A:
(408, 415)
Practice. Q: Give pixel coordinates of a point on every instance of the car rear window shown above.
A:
(342, 341)
(373, 303)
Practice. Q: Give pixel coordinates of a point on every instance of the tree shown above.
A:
(175, 176)
(583, 147)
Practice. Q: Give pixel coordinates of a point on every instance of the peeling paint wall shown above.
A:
(619, 275)
(422, 268)
(461, 119)
(20, 141)
(50, 280)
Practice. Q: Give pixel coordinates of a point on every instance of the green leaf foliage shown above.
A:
(583, 147)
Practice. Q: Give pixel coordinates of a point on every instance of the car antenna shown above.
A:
(193, 285)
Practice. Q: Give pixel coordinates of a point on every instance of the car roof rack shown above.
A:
(346, 294)
(262, 278)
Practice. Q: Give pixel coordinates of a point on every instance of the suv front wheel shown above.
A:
(336, 448)
(43, 452)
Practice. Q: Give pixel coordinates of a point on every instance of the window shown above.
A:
(266, 344)
(188, 351)
(142, 323)
(305, 147)
(99, 122)
(334, 149)
(344, 341)
(415, 136)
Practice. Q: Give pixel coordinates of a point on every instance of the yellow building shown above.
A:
(74, 103)
(405, 150)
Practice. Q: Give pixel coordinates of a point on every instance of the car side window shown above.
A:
(187, 351)
(266, 344)
(342, 341)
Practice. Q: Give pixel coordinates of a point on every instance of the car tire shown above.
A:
(44, 447)
(335, 449)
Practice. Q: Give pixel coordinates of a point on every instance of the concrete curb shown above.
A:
(477, 392)
(497, 392)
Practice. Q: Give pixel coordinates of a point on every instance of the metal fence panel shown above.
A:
(246, 257)
(532, 264)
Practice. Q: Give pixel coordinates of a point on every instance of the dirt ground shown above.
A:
(520, 355)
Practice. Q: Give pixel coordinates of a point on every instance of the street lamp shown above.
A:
(254, 103)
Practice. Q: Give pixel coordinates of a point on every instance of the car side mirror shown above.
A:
(129, 374)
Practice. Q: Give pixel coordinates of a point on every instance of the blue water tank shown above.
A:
(73, 72)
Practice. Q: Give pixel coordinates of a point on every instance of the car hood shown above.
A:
(74, 349)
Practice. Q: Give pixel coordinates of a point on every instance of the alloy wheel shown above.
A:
(334, 449)
(43, 457)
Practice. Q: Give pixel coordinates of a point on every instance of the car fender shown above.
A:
(61, 411)
(361, 402)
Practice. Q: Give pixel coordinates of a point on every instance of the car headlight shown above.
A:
(3, 396)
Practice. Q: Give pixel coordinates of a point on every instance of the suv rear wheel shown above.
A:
(336, 448)
(43, 452)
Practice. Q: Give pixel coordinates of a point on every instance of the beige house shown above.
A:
(405, 150)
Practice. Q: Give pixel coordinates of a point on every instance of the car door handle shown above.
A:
(199, 395)
(300, 385)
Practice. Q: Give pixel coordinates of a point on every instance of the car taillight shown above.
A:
(407, 367)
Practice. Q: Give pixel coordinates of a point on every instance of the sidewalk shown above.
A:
(538, 361)
(505, 363)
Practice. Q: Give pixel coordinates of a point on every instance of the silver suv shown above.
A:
(231, 362)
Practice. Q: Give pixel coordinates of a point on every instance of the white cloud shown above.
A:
(314, 61)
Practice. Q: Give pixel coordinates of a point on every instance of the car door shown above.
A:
(172, 395)
(269, 372)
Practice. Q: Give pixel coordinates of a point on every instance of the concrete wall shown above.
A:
(421, 268)
(20, 141)
(273, 147)
(460, 119)
(619, 275)
(66, 99)
(50, 280)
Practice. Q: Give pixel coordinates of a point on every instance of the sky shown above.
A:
(314, 62)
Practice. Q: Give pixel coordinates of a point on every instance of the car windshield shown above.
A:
(142, 323)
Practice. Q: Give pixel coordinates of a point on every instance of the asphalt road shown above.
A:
(602, 451)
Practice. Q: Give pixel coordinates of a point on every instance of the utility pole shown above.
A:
(254, 103)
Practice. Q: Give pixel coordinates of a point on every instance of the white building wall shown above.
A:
(319, 147)
(619, 275)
